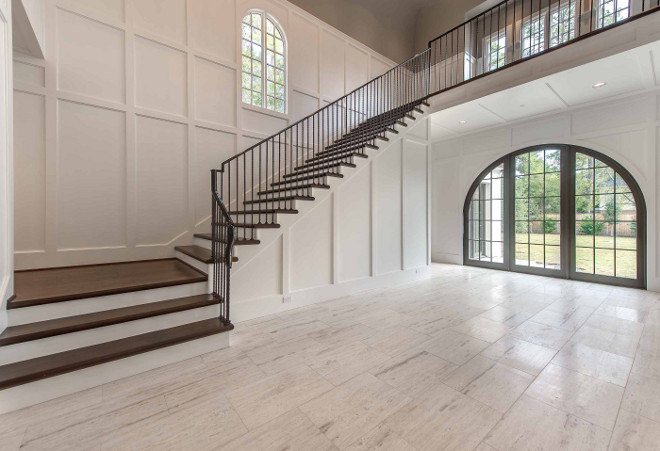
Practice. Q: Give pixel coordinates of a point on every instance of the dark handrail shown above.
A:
(223, 236)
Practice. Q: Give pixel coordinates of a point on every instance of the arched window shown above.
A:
(558, 210)
(263, 50)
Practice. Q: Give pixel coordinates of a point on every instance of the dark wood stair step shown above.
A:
(265, 211)
(199, 253)
(257, 226)
(60, 326)
(45, 286)
(279, 199)
(238, 242)
(307, 177)
(320, 167)
(303, 186)
(337, 155)
(20, 373)
(419, 110)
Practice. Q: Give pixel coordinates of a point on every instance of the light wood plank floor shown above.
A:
(469, 359)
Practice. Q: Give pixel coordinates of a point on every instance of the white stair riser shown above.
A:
(44, 390)
(102, 303)
(201, 242)
(200, 266)
(60, 343)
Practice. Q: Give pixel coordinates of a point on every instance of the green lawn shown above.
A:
(626, 256)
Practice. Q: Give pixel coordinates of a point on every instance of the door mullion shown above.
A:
(568, 211)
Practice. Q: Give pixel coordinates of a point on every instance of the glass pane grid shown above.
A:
(257, 76)
(533, 36)
(605, 225)
(486, 219)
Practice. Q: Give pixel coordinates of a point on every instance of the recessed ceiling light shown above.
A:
(522, 105)
(600, 84)
(462, 122)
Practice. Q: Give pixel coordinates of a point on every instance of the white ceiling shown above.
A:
(626, 73)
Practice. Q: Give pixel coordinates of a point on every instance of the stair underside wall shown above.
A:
(370, 230)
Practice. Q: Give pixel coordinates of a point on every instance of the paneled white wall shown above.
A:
(627, 130)
(136, 100)
(6, 164)
(371, 230)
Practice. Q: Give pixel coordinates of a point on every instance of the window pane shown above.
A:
(552, 184)
(626, 264)
(485, 217)
(604, 262)
(522, 254)
(536, 256)
(584, 260)
(584, 182)
(522, 186)
(604, 180)
(552, 232)
(247, 96)
(522, 231)
(626, 235)
(552, 257)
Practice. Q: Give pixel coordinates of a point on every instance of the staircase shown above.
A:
(75, 328)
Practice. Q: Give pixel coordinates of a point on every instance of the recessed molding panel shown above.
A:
(414, 204)
(164, 18)
(387, 220)
(91, 177)
(160, 70)
(332, 65)
(110, 9)
(268, 265)
(81, 67)
(357, 68)
(311, 248)
(354, 222)
(212, 148)
(378, 68)
(263, 123)
(302, 105)
(304, 53)
(29, 74)
(161, 180)
(213, 28)
(30, 162)
(215, 93)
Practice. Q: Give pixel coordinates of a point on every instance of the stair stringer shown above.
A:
(245, 273)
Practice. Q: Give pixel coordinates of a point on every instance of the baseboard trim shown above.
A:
(245, 310)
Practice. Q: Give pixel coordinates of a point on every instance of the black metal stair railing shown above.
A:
(270, 176)
(517, 30)
(223, 236)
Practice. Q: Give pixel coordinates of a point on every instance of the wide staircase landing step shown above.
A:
(44, 286)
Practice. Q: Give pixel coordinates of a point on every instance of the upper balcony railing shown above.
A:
(516, 30)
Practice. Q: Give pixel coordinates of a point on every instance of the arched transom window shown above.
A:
(558, 210)
(263, 50)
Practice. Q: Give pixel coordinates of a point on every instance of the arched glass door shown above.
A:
(558, 210)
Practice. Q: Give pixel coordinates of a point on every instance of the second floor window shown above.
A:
(263, 50)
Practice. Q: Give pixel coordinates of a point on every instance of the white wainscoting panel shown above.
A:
(91, 177)
(136, 101)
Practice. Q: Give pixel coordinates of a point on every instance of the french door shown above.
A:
(561, 211)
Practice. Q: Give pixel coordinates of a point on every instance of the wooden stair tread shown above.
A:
(44, 286)
(265, 211)
(257, 226)
(278, 199)
(19, 373)
(307, 177)
(294, 188)
(238, 242)
(197, 252)
(60, 326)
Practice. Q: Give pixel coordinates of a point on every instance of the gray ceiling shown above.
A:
(387, 26)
